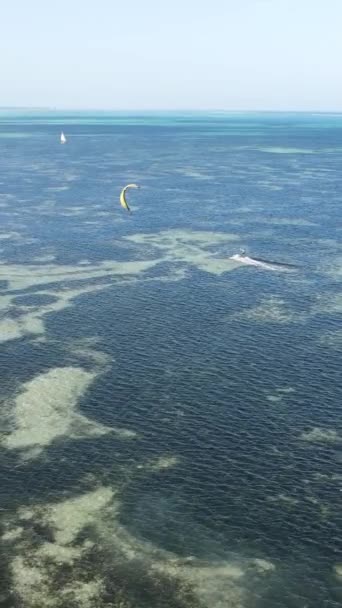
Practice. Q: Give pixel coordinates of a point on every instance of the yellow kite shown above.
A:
(123, 201)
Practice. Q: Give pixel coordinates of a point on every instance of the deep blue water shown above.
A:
(228, 373)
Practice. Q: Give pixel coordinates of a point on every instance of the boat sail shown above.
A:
(63, 138)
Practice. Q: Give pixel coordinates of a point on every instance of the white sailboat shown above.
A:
(63, 138)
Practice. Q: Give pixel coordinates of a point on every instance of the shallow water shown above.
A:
(171, 418)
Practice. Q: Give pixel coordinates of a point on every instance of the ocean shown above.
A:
(170, 417)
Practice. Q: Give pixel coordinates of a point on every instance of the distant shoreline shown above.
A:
(31, 109)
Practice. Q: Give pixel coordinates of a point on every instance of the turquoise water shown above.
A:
(171, 419)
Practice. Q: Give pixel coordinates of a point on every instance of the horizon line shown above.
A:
(151, 110)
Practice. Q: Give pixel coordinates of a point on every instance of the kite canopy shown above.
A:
(123, 200)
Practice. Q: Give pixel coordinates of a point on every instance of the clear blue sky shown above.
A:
(175, 54)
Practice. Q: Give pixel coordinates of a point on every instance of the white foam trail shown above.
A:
(245, 259)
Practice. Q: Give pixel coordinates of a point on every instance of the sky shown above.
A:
(172, 54)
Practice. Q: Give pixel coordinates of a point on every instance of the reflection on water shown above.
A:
(170, 429)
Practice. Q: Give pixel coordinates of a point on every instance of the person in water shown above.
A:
(242, 252)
